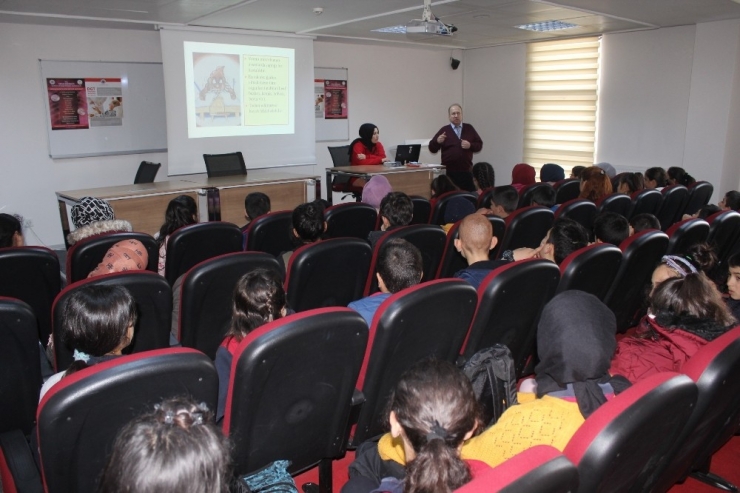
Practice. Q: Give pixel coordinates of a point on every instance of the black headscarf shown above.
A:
(366, 137)
(575, 343)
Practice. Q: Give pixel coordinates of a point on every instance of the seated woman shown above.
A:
(432, 411)
(124, 256)
(259, 298)
(685, 313)
(484, 178)
(181, 211)
(177, 447)
(679, 176)
(575, 342)
(97, 323)
(92, 216)
(595, 184)
(522, 175)
(366, 150)
(375, 190)
(629, 183)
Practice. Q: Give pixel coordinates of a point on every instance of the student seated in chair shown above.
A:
(610, 227)
(256, 204)
(11, 232)
(396, 210)
(503, 202)
(544, 197)
(308, 227)
(565, 237)
(643, 222)
(399, 267)
(475, 241)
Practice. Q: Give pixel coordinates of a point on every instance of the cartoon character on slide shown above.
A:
(217, 84)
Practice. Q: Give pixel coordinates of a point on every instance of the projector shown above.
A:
(435, 27)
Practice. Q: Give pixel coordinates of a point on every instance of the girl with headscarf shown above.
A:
(126, 255)
(522, 175)
(366, 150)
(575, 343)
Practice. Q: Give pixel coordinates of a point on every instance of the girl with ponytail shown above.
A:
(433, 410)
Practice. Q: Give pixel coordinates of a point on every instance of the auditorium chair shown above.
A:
(271, 233)
(31, 274)
(350, 220)
(341, 182)
(153, 297)
(426, 320)
(714, 368)
(525, 196)
(19, 366)
(327, 273)
(581, 211)
(641, 253)
(428, 238)
(441, 203)
(615, 202)
(724, 233)
(591, 269)
(86, 254)
(619, 446)
(567, 190)
(291, 391)
(484, 199)
(79, 417)
(453, 261)
(526, 228)
(646, 201)
(510, 300)
(207, 293)
(675, 198)
(193, 244)
(422, 210)
(700, 193)
(540, 469)
(685, 234)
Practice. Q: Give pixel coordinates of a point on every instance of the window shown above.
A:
(561, 98)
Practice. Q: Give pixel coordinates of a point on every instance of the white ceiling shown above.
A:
(480, 22)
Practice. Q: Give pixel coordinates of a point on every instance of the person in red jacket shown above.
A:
(685, 313)
(458, 142)
(366, 150)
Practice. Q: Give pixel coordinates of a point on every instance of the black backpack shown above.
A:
(491, 371)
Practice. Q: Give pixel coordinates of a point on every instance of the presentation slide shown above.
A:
(239, 90)
(229, 91)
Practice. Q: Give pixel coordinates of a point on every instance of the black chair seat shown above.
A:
(193, 244)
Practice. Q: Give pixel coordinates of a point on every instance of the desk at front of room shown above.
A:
(412, 180)
(144, 205)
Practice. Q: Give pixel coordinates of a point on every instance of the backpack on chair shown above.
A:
(491, 371)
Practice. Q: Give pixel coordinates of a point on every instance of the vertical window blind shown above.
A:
(561, 98)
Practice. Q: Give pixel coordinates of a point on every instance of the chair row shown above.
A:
(293, 393)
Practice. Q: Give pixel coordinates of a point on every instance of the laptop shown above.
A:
(408, 153)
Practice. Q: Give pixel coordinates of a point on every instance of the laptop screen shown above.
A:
(408, 153)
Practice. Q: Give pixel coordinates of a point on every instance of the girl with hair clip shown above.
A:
(259, 298)
(177, 447)
(97, 323)
(685, 313)
(181, 211)
(484, 178)
(432, 411)
(698, 258)
(595, 184)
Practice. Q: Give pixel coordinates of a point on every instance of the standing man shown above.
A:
(458, 143)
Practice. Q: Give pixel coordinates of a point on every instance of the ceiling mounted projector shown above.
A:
(429, 24)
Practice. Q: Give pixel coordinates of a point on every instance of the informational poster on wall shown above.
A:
(335, 105)
(104, 102)
(67, 104)
(331, 104)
